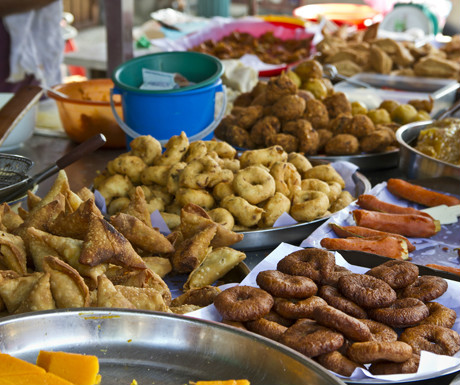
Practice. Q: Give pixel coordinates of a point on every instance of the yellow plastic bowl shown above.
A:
(87, 111)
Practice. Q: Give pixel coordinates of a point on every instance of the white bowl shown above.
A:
(23, 130)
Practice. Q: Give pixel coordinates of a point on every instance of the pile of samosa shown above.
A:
(63, 253)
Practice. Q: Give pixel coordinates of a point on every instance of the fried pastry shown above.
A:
(144, 298)
(13, 253)
(9, 220)
(109, 296)
(39, 297)
(14, 291)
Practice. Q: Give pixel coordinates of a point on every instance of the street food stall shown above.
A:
(269, 199)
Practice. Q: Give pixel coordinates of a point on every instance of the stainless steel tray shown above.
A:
(365, 162)
(294, 234)
(159, 348)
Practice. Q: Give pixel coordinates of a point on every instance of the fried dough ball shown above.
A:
(223, 189)
(129, 165)
(247, 116)
(301, 163)
(422, 104)
(342, 144)
(389, 105)
(264, 156)
(254, 184)
(308, 205)
(222, 217)
(263, 128)
(340, 124)
(336, 104)
(323, 135)
(379, 116)
(289, 107)
(273, 208)
(360, 126)
(326, 173)
(308, 139)
(404, 113)
(358, 108)
(243, 100)
(295, 78)
(316, 113)
(305, 95)
(279, 86)
(259, 89)
(147, 148)
(199, 197)
(176, 148)
(246, 214)
(317, 87)
(115, 186)
(237, 136)
(377, 141)
(309, 69)
(288, 142)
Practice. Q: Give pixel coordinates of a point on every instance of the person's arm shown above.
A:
(8, 7)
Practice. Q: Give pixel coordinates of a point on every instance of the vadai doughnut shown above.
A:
(201, 198)
(278, 318)
(373, 351)
(333, 278)
(254, 184)
(243, 303)
(402, 313)
(296, 309)
(235, 324)
(245, 213)
(266, 328)
(313, 263)
(222, 190)
(284, 285)
(440, 315)
(338, 363)
(432, 338)
(387, 367)
(326, 173)
(265, 156)
(380, 332)
(336, 319)
(366, 291)
(273, 208)
(311, 339)
(222, 217)
(426, 288)
(333, 297)
(286, 177)
(313, 184)
(300, 161)
(308, 205)
(398, 274)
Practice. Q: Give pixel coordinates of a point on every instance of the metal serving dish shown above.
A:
(293, 234)
(159, 348)
(416, 164)
(365, 162)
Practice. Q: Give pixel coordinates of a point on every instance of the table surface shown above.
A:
(46, 150)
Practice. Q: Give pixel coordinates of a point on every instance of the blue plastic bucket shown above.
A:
(165, 113)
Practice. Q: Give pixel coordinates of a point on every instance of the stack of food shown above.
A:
(63, 253)
(243, 192)
(300, 111)
(382, 319)
(363, 51)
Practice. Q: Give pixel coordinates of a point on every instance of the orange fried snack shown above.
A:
(386, 246)
(450, 269)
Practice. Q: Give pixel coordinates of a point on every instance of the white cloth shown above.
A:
(37, 46)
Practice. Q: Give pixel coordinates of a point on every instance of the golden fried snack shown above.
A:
(199, 197)
(309, 205)
(313, 184)
(288, 107)
(159, 265)
(114, 186)
(13, 253)
(377, 141)
(336, 104)
(223, 189)
(245, 213)
(222, 217)
(287, 178)
(278, 87)
(326, 173)
(176, 147)
(39, 297)
(317, 87)
(173, 177)
(9, 220)
(323, 137)
(266, 157)
(380, 61)
(254, 184)
(147, 148)
(301, 163)
(263, 128)
(342, 144)
(288, 142)
(344, 199)
(360, 126)
(316, 113)
(215, 265)
(129, 165)
(201, 297)
(273, 208)
(309, 69)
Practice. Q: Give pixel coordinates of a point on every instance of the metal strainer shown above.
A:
(13, 169)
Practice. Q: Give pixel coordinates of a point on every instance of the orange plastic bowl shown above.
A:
(358, 15)
(87, 111)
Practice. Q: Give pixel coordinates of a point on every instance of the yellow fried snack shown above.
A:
(159, 265)
(147, 148)
(309, 205)
(143, 298)
(246, 214)
(326, 173)
(176, 147)
(141, 235)
(9, 219)
(273, 208)
(13, 253)
(109, 296)
(68, 288)
(265, 156)
(39, 297)
(14, 291)
(103, 243)
(215, 265)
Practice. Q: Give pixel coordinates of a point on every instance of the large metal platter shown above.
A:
(365, 162)
(159, 348)
(294, 234)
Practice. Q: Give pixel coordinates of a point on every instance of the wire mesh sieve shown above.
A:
(13, 169)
